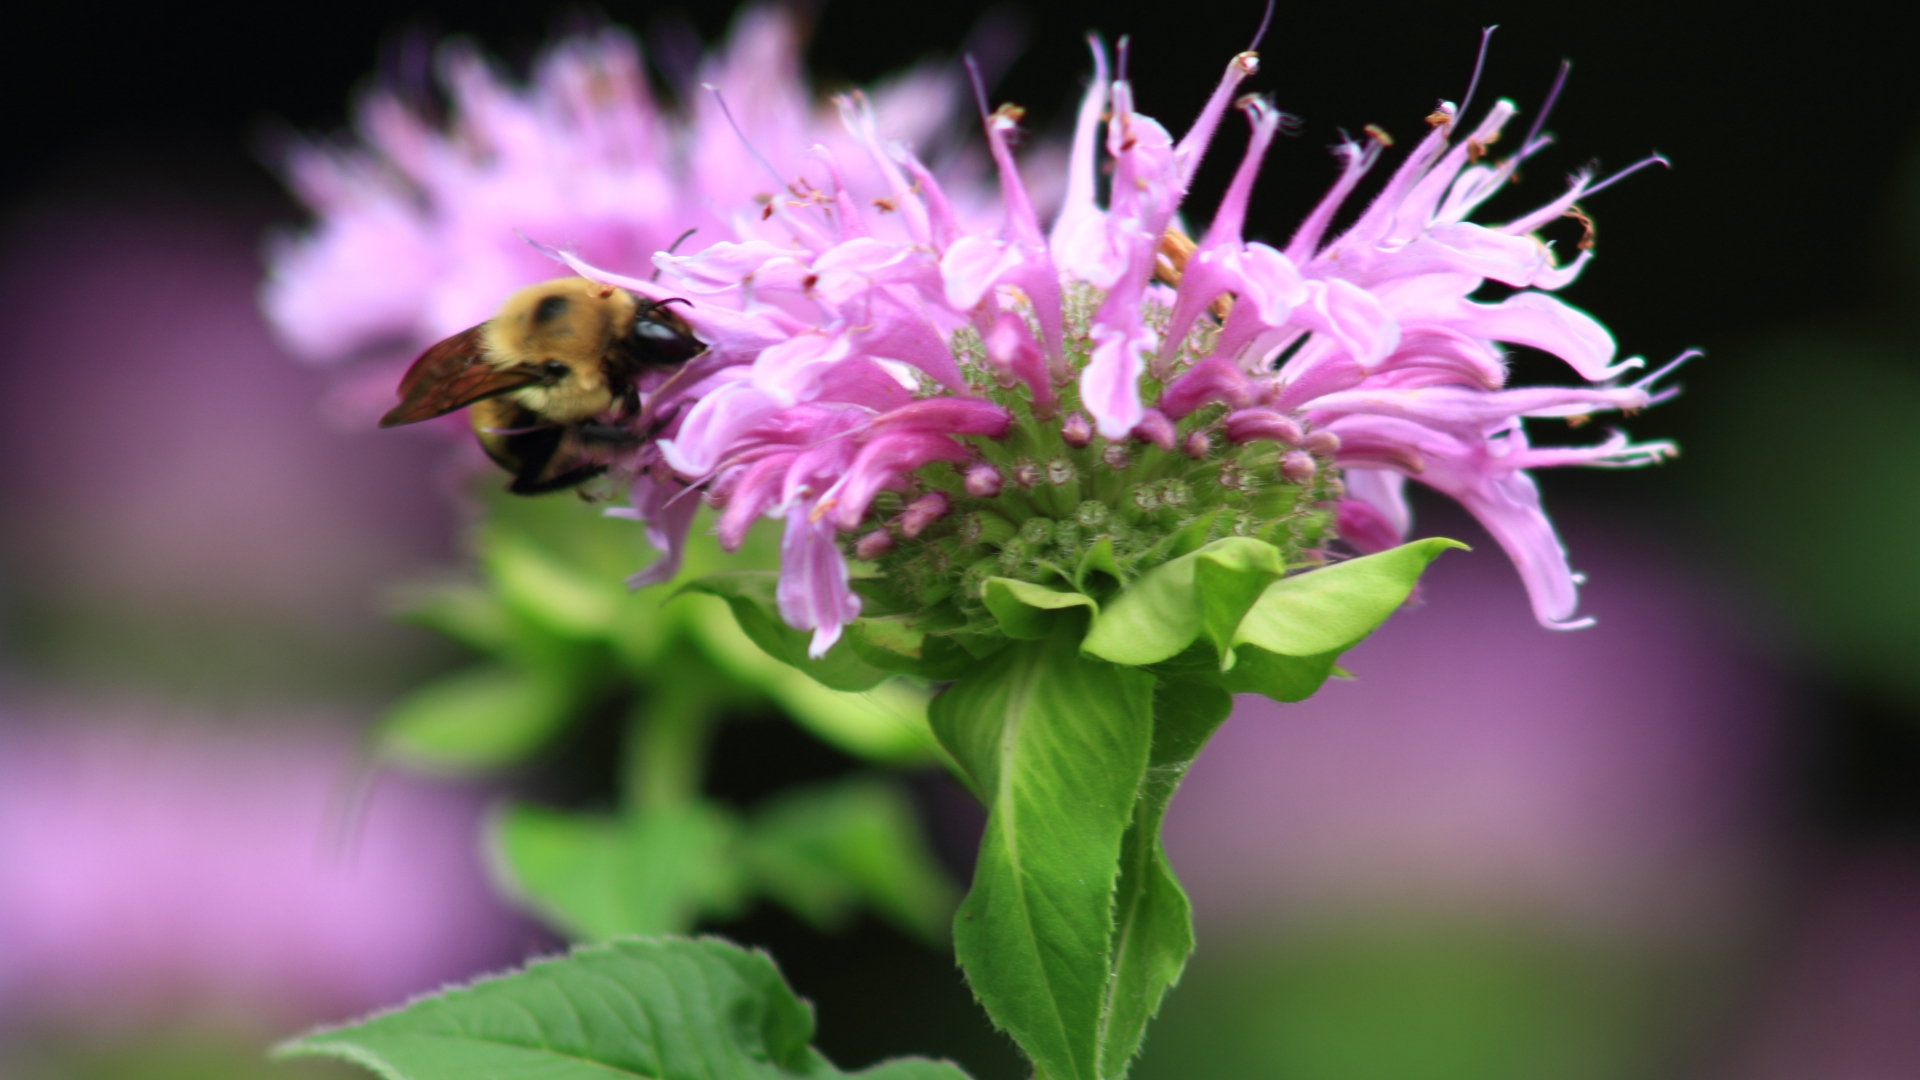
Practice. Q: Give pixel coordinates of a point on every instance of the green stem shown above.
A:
(666, 746)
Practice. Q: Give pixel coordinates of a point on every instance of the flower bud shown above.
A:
(1036, 532)
(1154, 427)
(1091, 514)
(1025, 474)
(1116, 457)
(983, 480)
(873, 545)
(1197, 445)
(1146, 497)
(1076, 431)
(1249, 425)
(921, 513)
(1061, 472)
(1297, 466)
(1321, 443)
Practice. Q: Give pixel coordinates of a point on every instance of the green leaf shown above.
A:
(1056, 746)
(750, 593)
(473, 720)
(825, 851)
(894, 644)
(1153, 923)
(1025, 610)
(653, 872)
(1332, 609)
(1177, 602)
(662, 1009)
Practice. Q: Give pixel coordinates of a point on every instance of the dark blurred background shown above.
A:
(1684, 843)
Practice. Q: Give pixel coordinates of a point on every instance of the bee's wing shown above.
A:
(452, 374)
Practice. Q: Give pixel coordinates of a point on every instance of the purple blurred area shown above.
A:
(193, 568)
(1622, 779)
(159, 862)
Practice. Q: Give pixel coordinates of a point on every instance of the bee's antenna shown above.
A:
(1479, 65)
(673, 247)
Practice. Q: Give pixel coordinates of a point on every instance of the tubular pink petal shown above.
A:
(1193, 145)
(1386, 492)
(1352, 316)
(1365, 527)
(1550, 325)
(947, 416)
(813, 593)
(881, 464)
(1210, 380)
(1110, 384)
(668, 509)
(1011, 349)
(1355, 161)
(1080, 230)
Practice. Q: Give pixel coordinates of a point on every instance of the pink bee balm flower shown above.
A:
(420, 230)
(866, 362)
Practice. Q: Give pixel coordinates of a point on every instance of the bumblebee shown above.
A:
(551, 382)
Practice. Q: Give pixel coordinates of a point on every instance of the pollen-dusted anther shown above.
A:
(983, 481)
(1155, 428)
(1252, 425)
(1116, 457)
(1025, 474)
(1297, 466)
(1076, 431)
(1060, 472)
(1321, 443)
(873, 545)
(1197, 444)
(923, 512)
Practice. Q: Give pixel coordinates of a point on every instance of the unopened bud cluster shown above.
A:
(1055, 503)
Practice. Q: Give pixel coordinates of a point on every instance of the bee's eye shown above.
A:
(553, 371)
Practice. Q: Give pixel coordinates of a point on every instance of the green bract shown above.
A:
(1076, 706)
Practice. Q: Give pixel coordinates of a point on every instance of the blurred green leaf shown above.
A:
(826, 851)
(1376, 999)
(548, 590)
(481, 718)
(664, 1009)
(658, 871)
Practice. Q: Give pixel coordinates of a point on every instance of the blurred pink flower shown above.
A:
(156, 865)
(421, 229)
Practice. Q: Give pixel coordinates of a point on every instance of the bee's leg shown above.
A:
(532, 483)
(607, 435)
